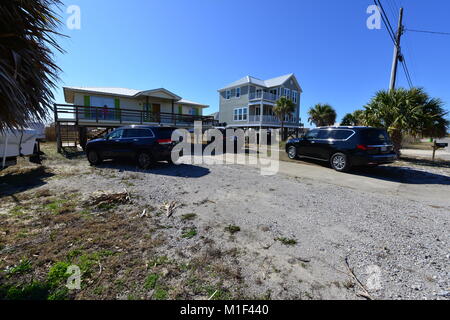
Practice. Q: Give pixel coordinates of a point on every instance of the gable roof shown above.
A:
(127, 93)
(274, 82)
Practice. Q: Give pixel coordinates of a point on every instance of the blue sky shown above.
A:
(194, 47)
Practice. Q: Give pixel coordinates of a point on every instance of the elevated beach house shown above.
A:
(109, 108)
(248, 102)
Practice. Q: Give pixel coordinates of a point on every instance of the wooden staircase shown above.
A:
(69, 134)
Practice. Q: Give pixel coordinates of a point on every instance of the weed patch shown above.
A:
(232, 229)
(287, 241)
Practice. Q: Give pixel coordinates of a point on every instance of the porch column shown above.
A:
(261, 109)
(174, 121)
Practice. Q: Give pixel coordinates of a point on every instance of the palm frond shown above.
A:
(28, 72)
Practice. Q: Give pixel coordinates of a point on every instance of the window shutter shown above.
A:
(180, 109)
(87, 103)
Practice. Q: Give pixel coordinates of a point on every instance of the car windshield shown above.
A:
(375, 136)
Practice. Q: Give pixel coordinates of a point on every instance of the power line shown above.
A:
(393, 35)
(386, 21)
(407, 74)
(425, 31)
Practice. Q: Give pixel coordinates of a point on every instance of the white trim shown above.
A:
(239, 113)
(295, 96)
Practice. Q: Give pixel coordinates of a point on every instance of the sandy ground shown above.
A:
(305, 233)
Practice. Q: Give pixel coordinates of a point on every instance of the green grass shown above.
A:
(150, 282)
(188, 234)
(287, 241)
(33, 291)
(58, 275)
(160, 294)
(17, 211)
(59, 206)
(23, 267)
(232, 229)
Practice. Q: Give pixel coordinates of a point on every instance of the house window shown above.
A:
(287, 93)
(228, 95)
(294, 96)
(240, 114)
(238, 92)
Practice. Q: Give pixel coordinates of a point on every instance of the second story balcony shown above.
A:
(271, 119)
(266, 96)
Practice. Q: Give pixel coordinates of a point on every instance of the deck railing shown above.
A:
(271, 119)
(260, 95)
(102, 115)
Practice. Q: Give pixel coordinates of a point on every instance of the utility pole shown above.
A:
(397, 53)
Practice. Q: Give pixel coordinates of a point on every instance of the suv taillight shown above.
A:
(164, 141)
(364, 147)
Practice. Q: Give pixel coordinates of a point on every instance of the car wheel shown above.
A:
(144, 160)
(340, 162)
(170, 161)
(94, 158)
(292, 152)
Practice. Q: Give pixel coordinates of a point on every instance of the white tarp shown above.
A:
(14, 143)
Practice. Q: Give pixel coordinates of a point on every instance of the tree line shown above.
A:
(401, 112)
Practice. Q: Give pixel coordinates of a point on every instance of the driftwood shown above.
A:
(364, 293)
(170, 208)
(103, 198)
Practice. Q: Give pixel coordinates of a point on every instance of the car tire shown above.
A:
(94, 158)
(170, 161)
(144, 160)
(340, 162)
(292, 153)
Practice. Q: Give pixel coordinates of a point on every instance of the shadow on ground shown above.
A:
(21, 179)
(160, 168)
(397, 174)
(402, 175)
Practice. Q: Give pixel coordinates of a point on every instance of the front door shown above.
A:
(157, 112)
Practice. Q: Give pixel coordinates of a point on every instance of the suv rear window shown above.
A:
(375, 136)
(164, 133)
(341, 134)
(137, 133)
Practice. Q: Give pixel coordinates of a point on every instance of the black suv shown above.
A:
(141, 143)
(344, 147)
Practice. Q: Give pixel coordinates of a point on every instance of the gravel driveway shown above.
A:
(299, 227)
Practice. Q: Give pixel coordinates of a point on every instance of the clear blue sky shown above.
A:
(194, 47)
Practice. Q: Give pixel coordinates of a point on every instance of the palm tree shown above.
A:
(322, 115)
(283, 108)
(27, 68)
(403, 112)
(353, 119)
